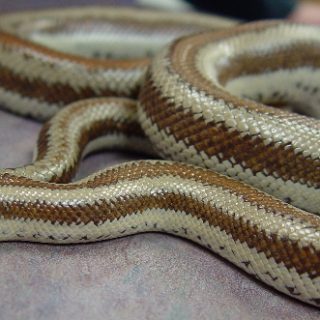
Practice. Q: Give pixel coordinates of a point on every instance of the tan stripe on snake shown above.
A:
(204, 101)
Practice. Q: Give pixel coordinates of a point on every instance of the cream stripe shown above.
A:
(46, 169)
(229, 203)
(117, 79)
(71, 73)
(62, 136)
(248, 43)
(109, 42)
(97, 110)
(301, 195)
(249, 123)
(26, 106)
(119, 141)
(171, 221)
(285, 83)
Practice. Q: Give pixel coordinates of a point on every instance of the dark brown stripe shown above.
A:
(140, 169)
(29, 49)
(216, 140)
(43, 141)
(58, 93)
(96, 129)
(295, 56)
(183, 54)
(61, 94)
(290, 253)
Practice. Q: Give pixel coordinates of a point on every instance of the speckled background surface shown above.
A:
(148, 276)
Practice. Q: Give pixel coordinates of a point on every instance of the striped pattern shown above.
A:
(178, 214)
(194, 106)
(185, 105)
(35, 65)
(275, 242)
(107, 123)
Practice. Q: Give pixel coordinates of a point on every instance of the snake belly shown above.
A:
(205, 101)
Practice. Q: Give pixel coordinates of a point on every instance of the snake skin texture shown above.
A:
(214, 102)
(52, 58)
(204, 102)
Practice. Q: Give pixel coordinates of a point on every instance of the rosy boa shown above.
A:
(207, 99)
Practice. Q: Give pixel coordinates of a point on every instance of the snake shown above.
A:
(227, 112)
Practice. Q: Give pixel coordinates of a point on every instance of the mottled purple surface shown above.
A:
(149, 276)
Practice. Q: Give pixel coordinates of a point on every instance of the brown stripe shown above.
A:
(58, 93)
(295, 56)
(61, 94)
(183, 54)
(94, 130)
(43, 141)
(140, 169)
(284, 251)
(31, 49)
(217, 140)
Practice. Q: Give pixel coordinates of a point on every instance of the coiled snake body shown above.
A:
(205, 103)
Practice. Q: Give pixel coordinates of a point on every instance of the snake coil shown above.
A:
(214, 103)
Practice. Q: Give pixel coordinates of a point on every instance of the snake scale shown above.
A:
(239, 101)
